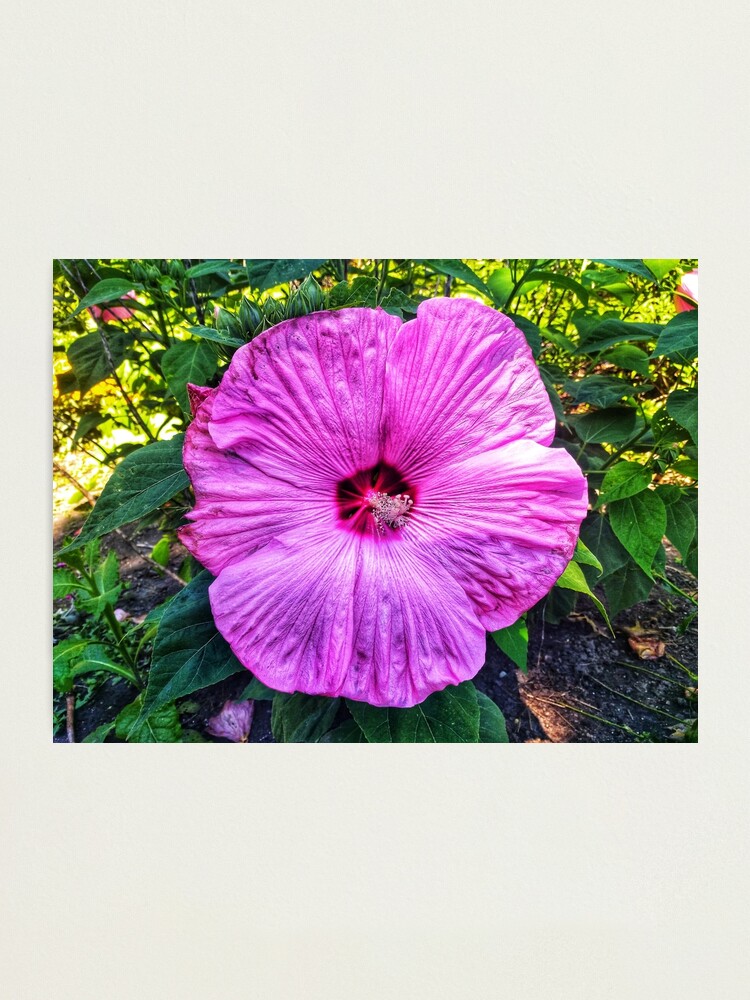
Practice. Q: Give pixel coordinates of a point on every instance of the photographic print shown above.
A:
(375, 500)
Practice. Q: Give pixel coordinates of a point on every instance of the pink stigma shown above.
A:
(388, 511)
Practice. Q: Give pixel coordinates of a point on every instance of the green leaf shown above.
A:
(90, 358)
(100, 734)
(586, 557)
(500, 284)
(218, 266)
(601, 540)
(630, 266)
(257, 691)
(348, 732)
(624, 480)
(597, 333)
(64, 582)
(639, 522)
(626, 586)
(661, 267)
(263, 274)
(189, 652)
(87, 423)
(448, 716)
(614, 425)
(160, 726)
(682, 406)
(95, 657)
(492, 728)
(362, 291)
(531, 332)
(514, 642)
(187, 361)
(398, 304)
(562, 281)
(216, 336)
(572, 578)
(141, 482)
(106, 578)
(628, 357)
(62, 655)
(457, 269)
(679, 339)
(160, 552)
(301, 718)
(601, 390)
(109, 290)
(681, 521)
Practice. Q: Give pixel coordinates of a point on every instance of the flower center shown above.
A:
(375, 501)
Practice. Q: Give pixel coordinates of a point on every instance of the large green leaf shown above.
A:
(347, 732)
(500, 284)
(363, 291)
(601, 390)
(624, 480)
(94, 357)
(457, 269)
(639, 522)
(448, 716)
(679, 339)
(681, 521)
(660, 267)
(597, 334)
(302, 718)
(216, 336)
(263, 274)
(514, 642)
(108, 290)
(599, 537)
(492, 728)
(161, 726)
(682, 406)
(627, 586)
(630, 266)
(141, 482)
(562, 281)
(189, 652)
(628, 357)
(186, 361)
(614, 425)
(572, 578)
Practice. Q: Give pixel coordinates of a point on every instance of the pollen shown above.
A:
(389, 511)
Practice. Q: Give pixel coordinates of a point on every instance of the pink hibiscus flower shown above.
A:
(111, 314)
(372, 496)
(687, 292)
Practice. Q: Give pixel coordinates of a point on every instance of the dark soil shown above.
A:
(582, 685)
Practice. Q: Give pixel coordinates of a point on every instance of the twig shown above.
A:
(572, 708)
(652, 673)
(92, 500)
(70, 704)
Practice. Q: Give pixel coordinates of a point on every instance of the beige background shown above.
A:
(401, 128)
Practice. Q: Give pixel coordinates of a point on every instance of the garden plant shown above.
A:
(368, 500)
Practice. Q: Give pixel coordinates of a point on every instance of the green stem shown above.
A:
(652, 673)
(634, 701)
(381, 284)
(676, 589)
(688, 671)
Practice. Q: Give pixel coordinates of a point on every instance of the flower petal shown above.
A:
(504, 524)
(461, 380)
(335, 613)
(238, 508)
(303, 401)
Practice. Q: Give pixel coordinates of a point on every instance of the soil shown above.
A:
(582, 685)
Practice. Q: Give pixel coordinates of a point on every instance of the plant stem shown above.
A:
(652, 673)
(70, 705)
(675, 588)
(381, 284)
(640, 704)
